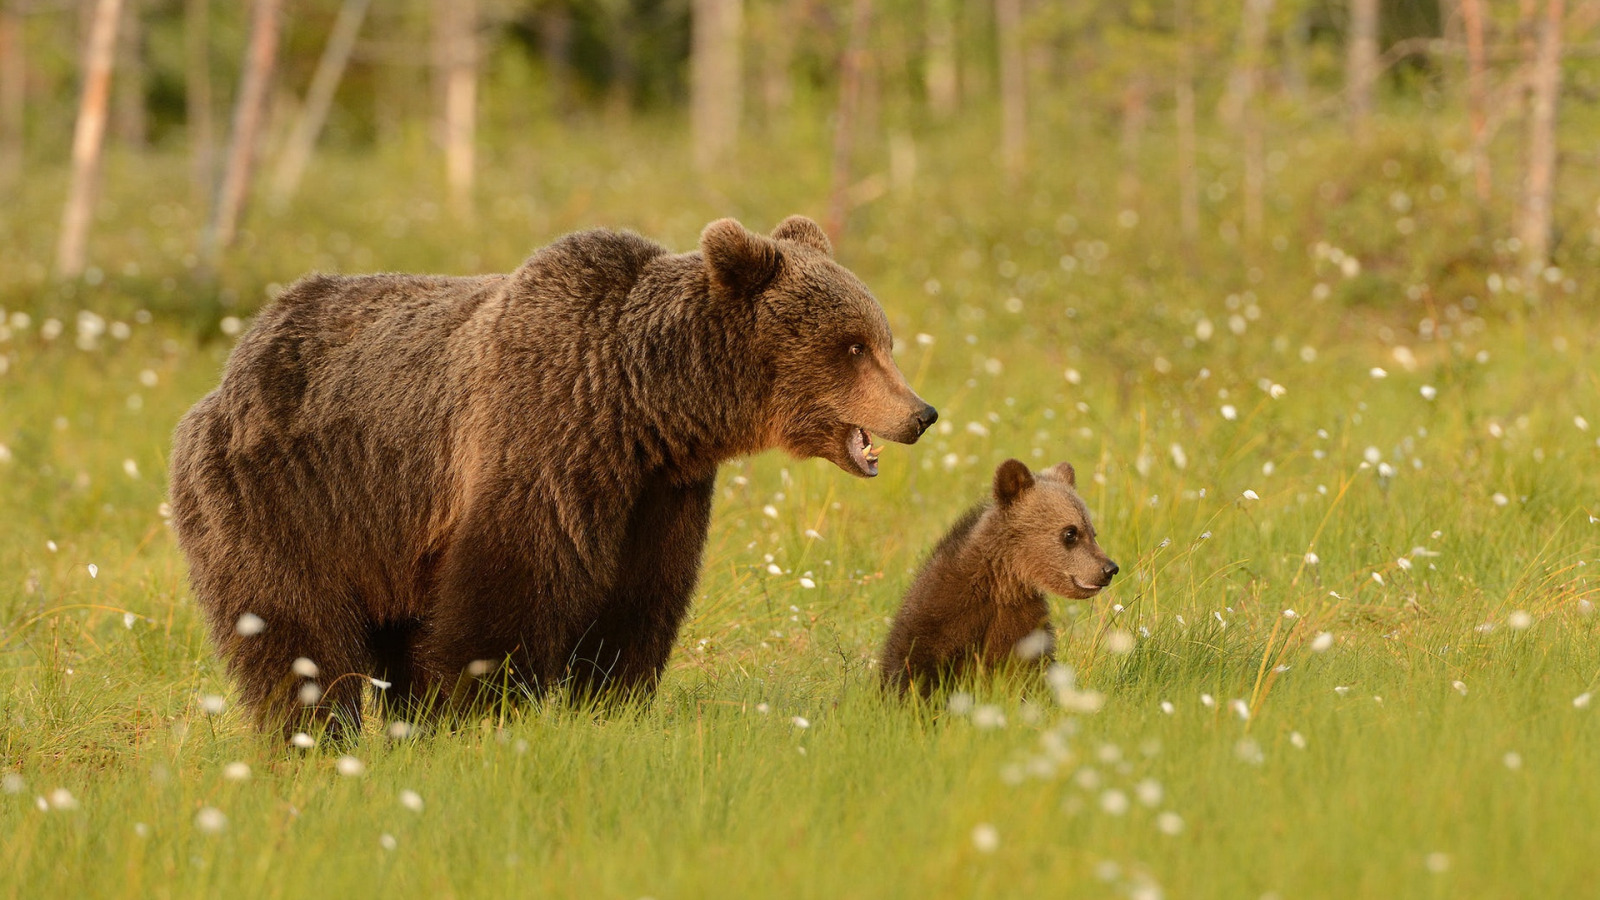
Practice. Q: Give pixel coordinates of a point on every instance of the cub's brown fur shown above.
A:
(414, 477)
(982, 590)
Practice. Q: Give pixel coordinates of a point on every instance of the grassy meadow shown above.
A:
(1348, 466)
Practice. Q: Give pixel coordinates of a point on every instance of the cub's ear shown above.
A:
(737, 259)
(1064, 472)
(802, 230)
(1011, 481)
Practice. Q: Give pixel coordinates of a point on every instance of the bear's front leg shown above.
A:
(623, 651)
(509, 597)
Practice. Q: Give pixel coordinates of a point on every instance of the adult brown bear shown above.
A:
(426, 479)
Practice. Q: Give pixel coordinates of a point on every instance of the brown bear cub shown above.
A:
(979, 600)
(451, 485)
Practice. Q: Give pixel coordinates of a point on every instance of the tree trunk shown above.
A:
(1013, 87)
(1477, 99)
(1252, 53)
(1533, 228)
(845, 119)
(780, 22)
(1361, 62)
(939, 57)
(1255, 173)
(1245, 79)
(319, 99)
(88, 138)
(131, 122)
(456, 57)
(13, 90)
(717, 76)
(1183, 110)
(555, 46)
(248, 111)
(1135, 113)
(197, 98)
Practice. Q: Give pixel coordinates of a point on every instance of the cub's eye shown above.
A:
(1069, 535)
(857, 349)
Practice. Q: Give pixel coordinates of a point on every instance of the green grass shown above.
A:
(1361, 770)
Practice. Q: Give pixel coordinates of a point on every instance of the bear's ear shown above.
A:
(802, 230)
(1011, 481)
(1064, 472)
(739, 260)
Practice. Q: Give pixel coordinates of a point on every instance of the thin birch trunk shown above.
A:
(939, 67)
(1013, 87)
(1255, 172)
(130, 120)
(1361, 62)
(457, 46)
(1183, 110)
(197, 98)
(845, 119)
(1135, 114)
(717, 80)
(1252, 50)
(1243, 80)
(1533, 228)
(13, 89)
(248, 111)
(555, 46)
(88, 138)
(777, 60)
(319, 99)
(1477, 99)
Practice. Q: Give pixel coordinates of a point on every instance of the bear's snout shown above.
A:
(919, 419)
(1109, 570)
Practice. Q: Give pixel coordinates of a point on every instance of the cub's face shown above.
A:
(835, 383)
(1050, 540)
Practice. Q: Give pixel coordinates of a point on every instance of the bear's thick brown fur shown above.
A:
(979, 600)
(411, 477)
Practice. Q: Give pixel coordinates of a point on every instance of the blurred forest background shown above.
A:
(1190, 108)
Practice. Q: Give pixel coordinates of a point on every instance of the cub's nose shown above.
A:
(1110, 569)
(925, 417)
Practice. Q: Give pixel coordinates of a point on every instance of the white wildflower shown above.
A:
(1114, 802)
(210, 820)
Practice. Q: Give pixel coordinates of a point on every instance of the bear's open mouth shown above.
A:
(864, 456)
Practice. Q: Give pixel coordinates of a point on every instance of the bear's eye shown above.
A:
(857, 349)
(1069, 535)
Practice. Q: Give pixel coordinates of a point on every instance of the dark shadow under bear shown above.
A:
(426, 479)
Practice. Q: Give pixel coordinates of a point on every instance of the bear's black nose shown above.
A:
(1111, 569)
(925, 417)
